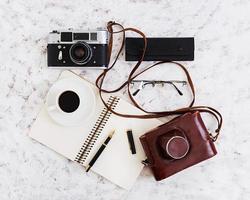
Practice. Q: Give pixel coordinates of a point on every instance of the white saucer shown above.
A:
(86, 106)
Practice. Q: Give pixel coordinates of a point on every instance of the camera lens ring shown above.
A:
(85, 50)
(184, 140)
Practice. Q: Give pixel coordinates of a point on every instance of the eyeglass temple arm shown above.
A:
(143, 83)
(138, 90)
(177, 89)
(159, 81)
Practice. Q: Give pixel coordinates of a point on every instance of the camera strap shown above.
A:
(100, 80)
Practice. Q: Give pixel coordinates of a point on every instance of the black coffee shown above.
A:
(69, 101)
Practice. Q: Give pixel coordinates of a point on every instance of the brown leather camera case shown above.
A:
(191, 126)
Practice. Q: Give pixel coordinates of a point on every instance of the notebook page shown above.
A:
(117, 163)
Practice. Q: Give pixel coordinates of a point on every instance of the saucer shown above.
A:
(85, 108)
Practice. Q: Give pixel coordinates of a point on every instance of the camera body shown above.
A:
(78, 49)
(177, 145)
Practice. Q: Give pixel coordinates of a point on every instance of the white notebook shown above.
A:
(80, 143)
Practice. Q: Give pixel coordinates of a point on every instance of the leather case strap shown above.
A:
(133, 75)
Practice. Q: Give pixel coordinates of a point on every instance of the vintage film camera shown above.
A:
(177, 145)
(78, 49)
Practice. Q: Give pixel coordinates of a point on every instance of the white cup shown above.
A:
(83, 111)
(56, 106)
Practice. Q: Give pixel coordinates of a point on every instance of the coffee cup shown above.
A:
(69, 102)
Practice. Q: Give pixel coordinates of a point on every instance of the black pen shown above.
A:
(100, 150)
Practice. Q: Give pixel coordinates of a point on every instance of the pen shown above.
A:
(100, 150)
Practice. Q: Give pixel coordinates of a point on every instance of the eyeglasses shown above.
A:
(153, 83)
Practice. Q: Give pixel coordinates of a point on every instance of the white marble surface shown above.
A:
(220, 72)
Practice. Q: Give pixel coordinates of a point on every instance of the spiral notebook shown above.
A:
(80, 143)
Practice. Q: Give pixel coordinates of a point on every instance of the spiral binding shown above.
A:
(96, 130)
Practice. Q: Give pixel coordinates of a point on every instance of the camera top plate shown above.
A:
(72, 36)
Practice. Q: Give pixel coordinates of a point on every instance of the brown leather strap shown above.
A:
(133, 75)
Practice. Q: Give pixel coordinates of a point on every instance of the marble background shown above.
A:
(220, 72)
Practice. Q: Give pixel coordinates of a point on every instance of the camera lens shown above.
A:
(174, 144)
(80, 53)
